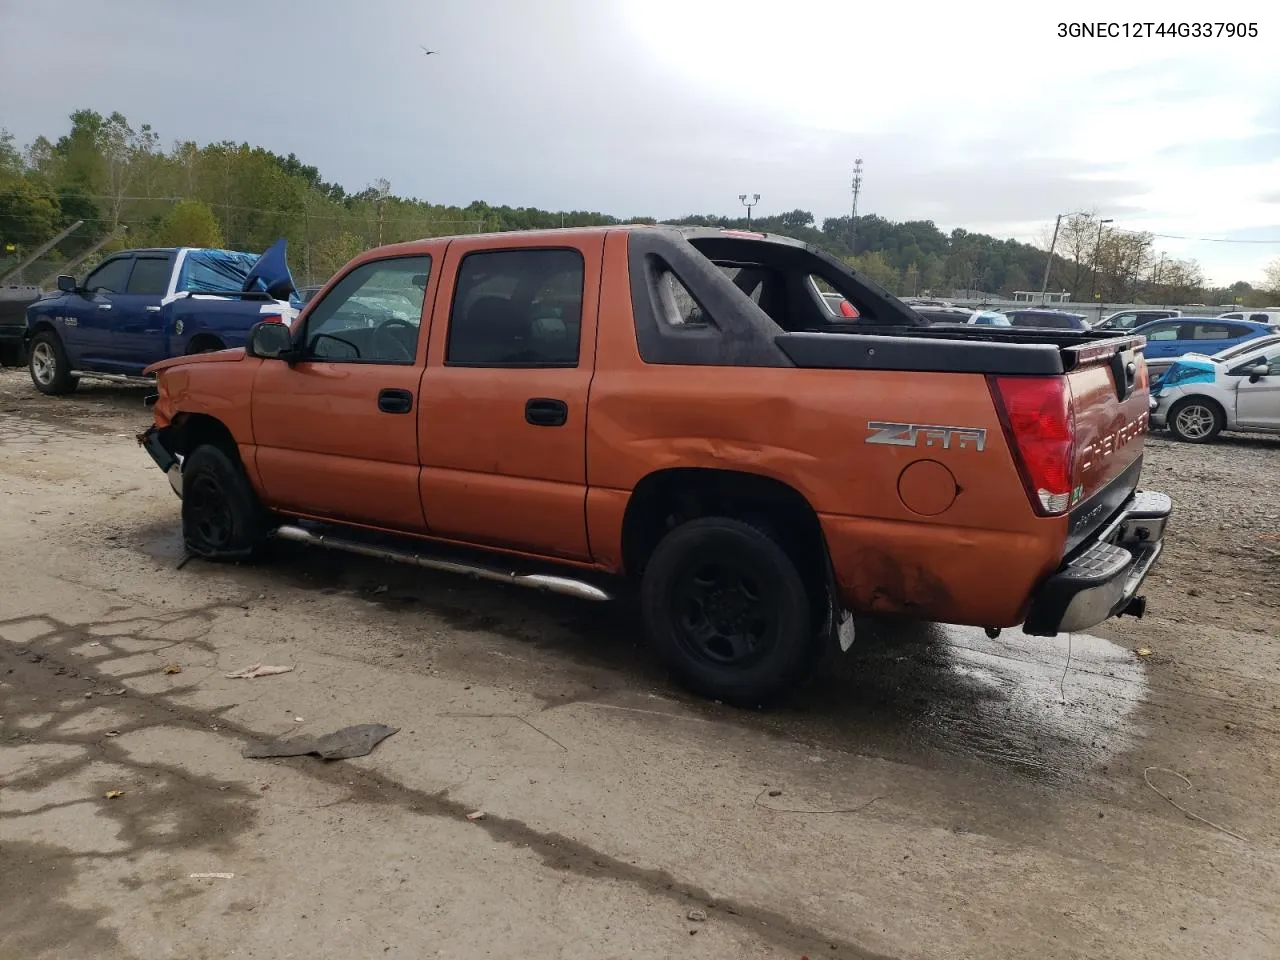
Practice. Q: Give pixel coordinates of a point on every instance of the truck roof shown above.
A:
(688, 233)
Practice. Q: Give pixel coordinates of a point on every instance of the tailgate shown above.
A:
(1109, 391)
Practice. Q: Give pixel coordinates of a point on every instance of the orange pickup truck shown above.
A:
(679, 409)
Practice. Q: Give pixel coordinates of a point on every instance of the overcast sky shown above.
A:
(970, 114)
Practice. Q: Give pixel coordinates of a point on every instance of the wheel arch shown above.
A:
(205, 340)
(1227, 417)
(190, 430)
(40, 326)
(1204, 398)
(664, 499)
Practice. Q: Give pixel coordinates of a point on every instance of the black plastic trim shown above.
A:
(739, 333)
(919, 353)
(1093, 514)
(152, 441)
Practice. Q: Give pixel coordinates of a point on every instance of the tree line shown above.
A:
(129, 191)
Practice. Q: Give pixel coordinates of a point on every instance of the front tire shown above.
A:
(49, 366)
(726, 610)
(1196, 420)
(222, 518)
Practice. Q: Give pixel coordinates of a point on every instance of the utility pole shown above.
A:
(1097, 249)
(1049, 260)
(853, 212)
(749, 202)
(383, 187)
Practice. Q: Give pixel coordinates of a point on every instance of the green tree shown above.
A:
(10, 158)
(1271, 277)
(28, 214)
(191, 223)
(875, 266)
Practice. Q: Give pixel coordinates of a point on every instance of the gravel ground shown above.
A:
(550, 793)
(1224, 548)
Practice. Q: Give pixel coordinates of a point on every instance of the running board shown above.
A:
(538, 581)
(115, 378)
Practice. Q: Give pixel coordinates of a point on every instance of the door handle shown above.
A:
(546, 412)
(391, 400)
(104, 306)
(153, 309)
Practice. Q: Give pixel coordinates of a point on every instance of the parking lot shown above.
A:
(550, 792)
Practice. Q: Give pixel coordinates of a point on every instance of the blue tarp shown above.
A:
(215, 271)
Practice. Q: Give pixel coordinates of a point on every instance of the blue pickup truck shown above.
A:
(141, 306)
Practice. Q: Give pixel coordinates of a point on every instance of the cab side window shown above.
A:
(517, 308)
(1166, 331)
(372, 315)
(111, 277)
(150, 276)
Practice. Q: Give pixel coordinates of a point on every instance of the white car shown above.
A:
(1238, 389)
(1268, 315)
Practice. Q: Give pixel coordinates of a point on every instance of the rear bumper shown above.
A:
(152, 440)
(1103, 579)
(1156, 419)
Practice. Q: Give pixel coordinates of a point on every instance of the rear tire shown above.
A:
(222, 518)
(1196, 420)
(726, 610)
(49, 366)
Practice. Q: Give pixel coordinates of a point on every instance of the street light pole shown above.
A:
(1097, 248)
(749, 202)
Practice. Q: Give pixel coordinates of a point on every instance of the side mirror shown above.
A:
(67, 284)
(270, 340)
(1257, 371)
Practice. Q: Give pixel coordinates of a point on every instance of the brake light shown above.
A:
(1142, 378)
(1039, 422)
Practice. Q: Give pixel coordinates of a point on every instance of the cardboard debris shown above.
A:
(257, 670)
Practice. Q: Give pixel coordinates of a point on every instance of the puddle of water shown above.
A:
(950, 688)
(903, 689)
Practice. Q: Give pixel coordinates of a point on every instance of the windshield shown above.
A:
(990, 318)
(215, 271)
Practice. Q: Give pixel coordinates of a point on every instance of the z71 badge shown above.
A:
(909, 434)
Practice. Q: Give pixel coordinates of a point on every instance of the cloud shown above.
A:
(976, 116)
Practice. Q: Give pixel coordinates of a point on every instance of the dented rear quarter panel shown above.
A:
(975, 562)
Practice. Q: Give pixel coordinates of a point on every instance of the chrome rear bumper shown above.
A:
(1103, 579)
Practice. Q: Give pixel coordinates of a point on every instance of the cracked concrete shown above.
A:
(937, 798)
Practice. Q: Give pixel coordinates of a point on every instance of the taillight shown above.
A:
(1040, 424)
(847, 309)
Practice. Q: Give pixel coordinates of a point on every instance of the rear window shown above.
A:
(1214, 331)
(1055, 321)
(215, 271)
